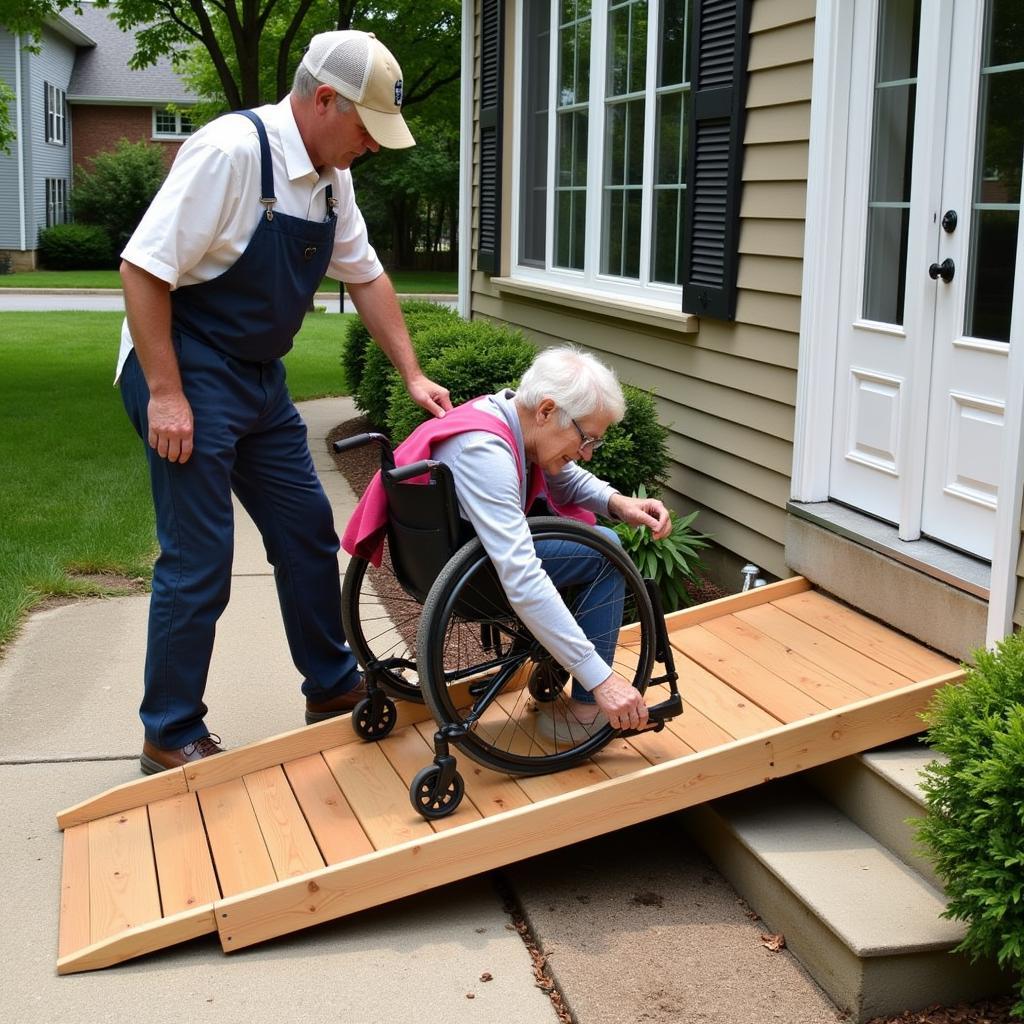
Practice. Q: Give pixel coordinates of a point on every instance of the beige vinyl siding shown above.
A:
(727, 393)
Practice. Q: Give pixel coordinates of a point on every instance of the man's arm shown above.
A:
(378, 306)
(147, 302)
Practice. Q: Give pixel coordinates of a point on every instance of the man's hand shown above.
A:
(622, 704)
(428, 395)
(642, 512)
(170, 427)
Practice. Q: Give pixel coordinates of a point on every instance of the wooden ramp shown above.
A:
(315, 824)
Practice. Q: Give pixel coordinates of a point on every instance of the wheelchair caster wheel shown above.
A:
(427, 797)
(547, 680)
(370, 726)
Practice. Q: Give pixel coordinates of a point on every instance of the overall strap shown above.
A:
(266, 167)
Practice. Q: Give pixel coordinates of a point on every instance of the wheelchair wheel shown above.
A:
(381, 621)
(483, 671)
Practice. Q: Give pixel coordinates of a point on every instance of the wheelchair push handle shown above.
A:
(358, 440)
(414, 469)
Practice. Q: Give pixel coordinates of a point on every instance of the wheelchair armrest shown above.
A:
(412, 470)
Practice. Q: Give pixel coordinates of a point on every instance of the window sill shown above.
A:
(604, 305)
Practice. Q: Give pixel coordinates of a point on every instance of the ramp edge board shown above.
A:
(142, 939)
(289, 746)
(602, 807)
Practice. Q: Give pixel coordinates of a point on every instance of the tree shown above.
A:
(7, 132)
(249, 41)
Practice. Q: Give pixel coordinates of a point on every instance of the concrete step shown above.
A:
(864, 925)
(880, 791)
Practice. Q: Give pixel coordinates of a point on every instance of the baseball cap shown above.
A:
(361, 68)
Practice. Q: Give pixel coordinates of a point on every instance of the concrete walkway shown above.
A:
(640, 928)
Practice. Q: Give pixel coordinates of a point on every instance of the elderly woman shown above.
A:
(501, 449)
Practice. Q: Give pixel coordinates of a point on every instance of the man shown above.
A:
(256, 209)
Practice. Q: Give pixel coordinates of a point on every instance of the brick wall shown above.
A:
(98, 128)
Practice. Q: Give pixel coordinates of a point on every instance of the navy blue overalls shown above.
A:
(229, 334)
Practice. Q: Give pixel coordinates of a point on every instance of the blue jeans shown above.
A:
(599, 593)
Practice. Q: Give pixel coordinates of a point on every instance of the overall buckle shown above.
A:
(268, 205)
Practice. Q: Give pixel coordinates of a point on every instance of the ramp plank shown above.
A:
(376, 794)
(122, 876)
(292, 848)
(731, 711)
(900, 653)
(865, 673)
(74, 930)
(697, 731)
(239, 853)
(825, 687)
(331, 820)
(658, 747)
(184, 866)
(776, 696)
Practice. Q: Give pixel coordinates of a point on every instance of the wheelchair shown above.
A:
(432, 624)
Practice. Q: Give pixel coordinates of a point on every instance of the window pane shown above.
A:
(618, 51)
(534, 132)
(672, 65)
(997, 184)
(892, 147)
(667, 235)
(671, 166)
(1005, 37)
(187, 128)
(165, 123)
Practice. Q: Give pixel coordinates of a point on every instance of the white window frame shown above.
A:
(56, 192)
(55, 115)
(590, 279)
(177, 115)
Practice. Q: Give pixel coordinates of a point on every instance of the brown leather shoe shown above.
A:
(320, 711)
(156, 760)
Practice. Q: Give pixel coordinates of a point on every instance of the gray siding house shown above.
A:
(75, 98)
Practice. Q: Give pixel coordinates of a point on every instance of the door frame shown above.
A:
(819, 312)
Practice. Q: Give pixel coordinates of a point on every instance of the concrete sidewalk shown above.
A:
(640, 928)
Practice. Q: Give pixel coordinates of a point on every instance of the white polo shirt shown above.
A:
(207, 209)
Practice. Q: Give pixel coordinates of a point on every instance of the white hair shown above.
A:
(304, 85)
(575, 381)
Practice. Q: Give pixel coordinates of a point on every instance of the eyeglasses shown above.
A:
(586, 441)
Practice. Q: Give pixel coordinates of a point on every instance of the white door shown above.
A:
(929, 240)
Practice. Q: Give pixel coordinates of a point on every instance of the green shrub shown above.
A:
(477, 358)
(670, 562)
(116, 191)
(358, 340)
(975, 800)
(75, 247)
(634, 453)
(375, 372)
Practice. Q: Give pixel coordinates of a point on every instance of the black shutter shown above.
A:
(720, 43)
(492, 73)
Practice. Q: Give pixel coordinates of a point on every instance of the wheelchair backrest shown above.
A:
(424, 529)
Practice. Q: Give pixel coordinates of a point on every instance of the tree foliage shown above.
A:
(7, 132)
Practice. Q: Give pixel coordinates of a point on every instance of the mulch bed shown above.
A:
(358, 467)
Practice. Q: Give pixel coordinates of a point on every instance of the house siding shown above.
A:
(48, 160)
(10, 231)
(728, 392)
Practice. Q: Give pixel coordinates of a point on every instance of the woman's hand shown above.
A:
(622, 703)
(642, 512)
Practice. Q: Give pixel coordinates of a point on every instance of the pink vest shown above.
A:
(364, 535)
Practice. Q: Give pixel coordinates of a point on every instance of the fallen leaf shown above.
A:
(774, 942)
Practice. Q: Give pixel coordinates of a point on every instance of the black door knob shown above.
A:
(946, 269)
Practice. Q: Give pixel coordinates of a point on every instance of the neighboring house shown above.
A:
(752, 208)
(73, 99)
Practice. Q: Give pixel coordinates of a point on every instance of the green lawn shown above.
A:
(408, 282)
(75, 492)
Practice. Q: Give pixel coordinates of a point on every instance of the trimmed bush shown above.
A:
(975, 801)
(478, 358)
(118, 188)
(634, 453)
(358, 340)
(75, 247)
